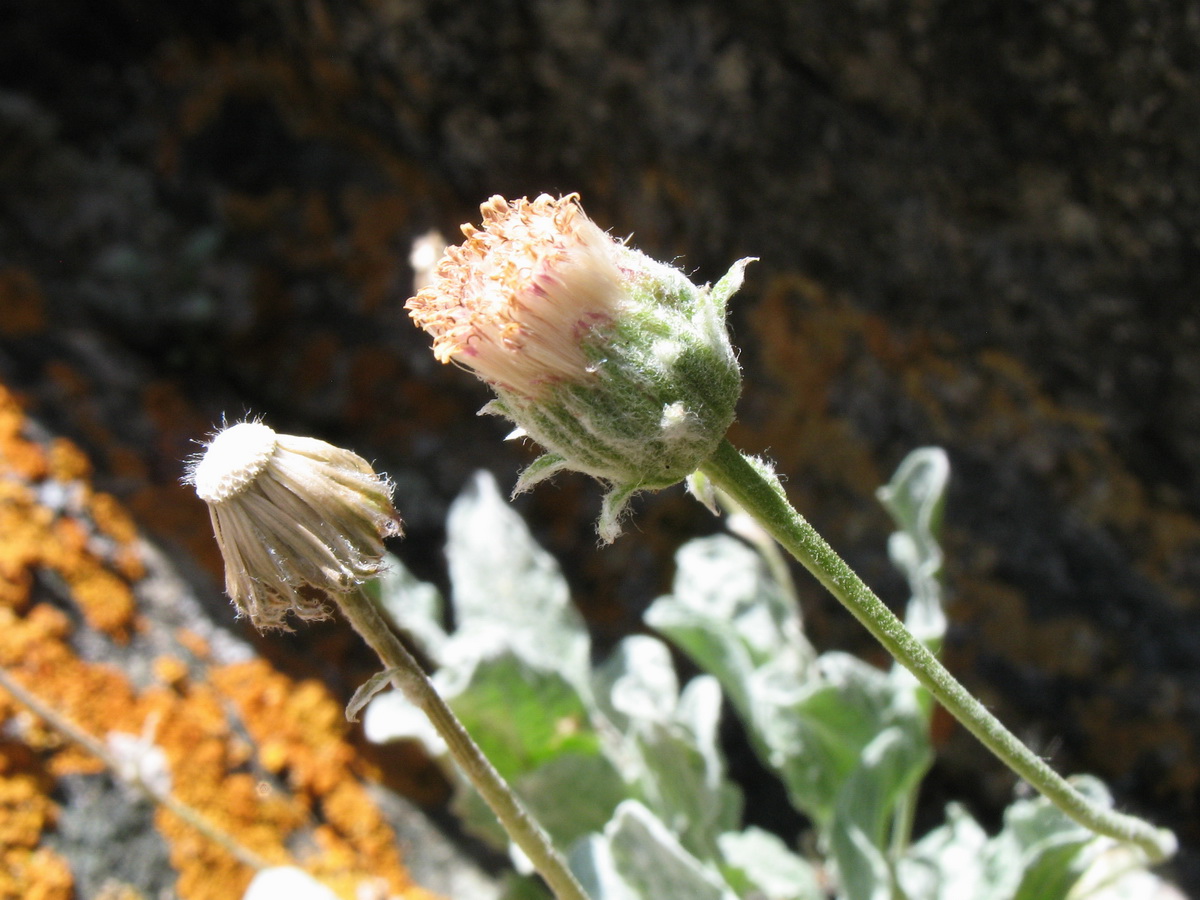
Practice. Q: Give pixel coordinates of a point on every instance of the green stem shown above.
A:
(410, 679)
(758, 492)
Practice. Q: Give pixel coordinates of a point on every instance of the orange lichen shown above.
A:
(106, 602)
(809, 338)
(25, 812)
(112, 520)
(36, 538)
(20, 459)
(372, 261)
(170, 670)
(116, 891)
(992, 399)
(68, 462)
(19, 549)
(25, 809)
(23, 303)
(39, 874)
(194, 643)
(301, 735)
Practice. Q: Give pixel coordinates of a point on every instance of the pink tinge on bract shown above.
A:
(517, 299)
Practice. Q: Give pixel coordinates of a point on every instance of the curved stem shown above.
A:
(410, 679)
(759, 493)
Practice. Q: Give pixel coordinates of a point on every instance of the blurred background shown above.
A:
(977, 224)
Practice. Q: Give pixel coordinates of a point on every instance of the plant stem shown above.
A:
(410, 679)
(759, 493)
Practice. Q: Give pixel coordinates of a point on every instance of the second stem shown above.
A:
(411, 680)
(759, 493)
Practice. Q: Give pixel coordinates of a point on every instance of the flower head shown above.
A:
(296, 519)
(514, 300)
(615, 363)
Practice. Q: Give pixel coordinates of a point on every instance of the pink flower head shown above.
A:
(615, 363)
(515, 300)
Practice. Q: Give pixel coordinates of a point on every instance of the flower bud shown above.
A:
(616, 364)
(296, 520)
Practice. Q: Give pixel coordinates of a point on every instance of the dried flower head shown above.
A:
(615, 363)
(296, 519)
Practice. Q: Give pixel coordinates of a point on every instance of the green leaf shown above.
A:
(537, 731)
(809, 719)
(915, 497)
(684, 780)
(889, 766)
(367, 691)
(1052, 846)
(572, 795)
(1118, 872)
(641, 856)
(520, 715)
(592, 864)
(524, 887)
(668, 742)
(758, 864)
(818, 734)
(731, 616)
(863, 870)
(1039, 854)
(729, 283)
(545, 466)
(612, 507)
(637, 682)
(948, 863)
(508, 592)
(700, 487)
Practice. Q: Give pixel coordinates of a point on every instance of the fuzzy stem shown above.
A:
(409, 679)
(69, 729)
(759, 494)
